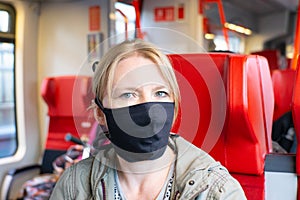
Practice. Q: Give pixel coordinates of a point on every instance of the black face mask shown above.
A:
(140, 132)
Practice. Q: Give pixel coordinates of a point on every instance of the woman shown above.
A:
(137, 100)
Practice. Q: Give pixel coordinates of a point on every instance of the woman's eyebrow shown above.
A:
(159, 87)
(120, 89)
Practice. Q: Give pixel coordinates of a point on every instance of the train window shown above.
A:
(125, 16)
(8, 136)
(4, 21)
(236, 44)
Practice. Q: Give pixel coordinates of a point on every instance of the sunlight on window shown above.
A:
(236, 44)
(129, 12)
(220, 43)
(4, 21)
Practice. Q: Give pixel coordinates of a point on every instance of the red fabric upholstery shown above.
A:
(60, 94)
(268, 100)
(288, 63)
(283, 84)
(273, 57)
(251, 104)
(253, 185)
(296, 117)
(247, 107)
(195, 95)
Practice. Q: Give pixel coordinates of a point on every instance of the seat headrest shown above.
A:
(67, 95)
(273, 57)
(283, 84)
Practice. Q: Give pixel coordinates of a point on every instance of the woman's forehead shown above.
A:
(136, 71)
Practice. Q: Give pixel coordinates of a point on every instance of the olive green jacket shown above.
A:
(197, 176)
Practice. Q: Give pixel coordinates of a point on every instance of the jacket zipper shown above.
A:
(103, 189)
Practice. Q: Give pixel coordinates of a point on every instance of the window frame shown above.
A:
(9, 37)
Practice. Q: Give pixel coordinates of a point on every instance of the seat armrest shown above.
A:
(15, 178)
(13, 172)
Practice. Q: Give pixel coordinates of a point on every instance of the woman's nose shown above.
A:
(145, 97)
(145, 94)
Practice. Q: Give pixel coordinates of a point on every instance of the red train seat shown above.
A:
(68, 99)
(60, 94)
(239, 92)
(273, 57)
(296, 119)
(283, 84)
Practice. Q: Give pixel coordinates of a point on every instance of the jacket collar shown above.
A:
(191, 167)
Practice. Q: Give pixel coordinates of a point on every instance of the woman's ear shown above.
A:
(99, 116)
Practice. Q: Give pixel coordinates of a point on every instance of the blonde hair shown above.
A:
(104, 73)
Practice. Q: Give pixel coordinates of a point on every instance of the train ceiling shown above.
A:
(262, 7)
(241, 12)
(249, 13)
(257, 7)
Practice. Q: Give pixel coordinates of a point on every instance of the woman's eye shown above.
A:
(127, 95)
(161, 94)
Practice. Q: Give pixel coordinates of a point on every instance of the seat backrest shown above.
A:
(296, 120)
(283, 84)
(273, 57)
(201, 83)
(296, 116)
(226, 109)
(227, 102)
(68, 99)
(251, 104)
